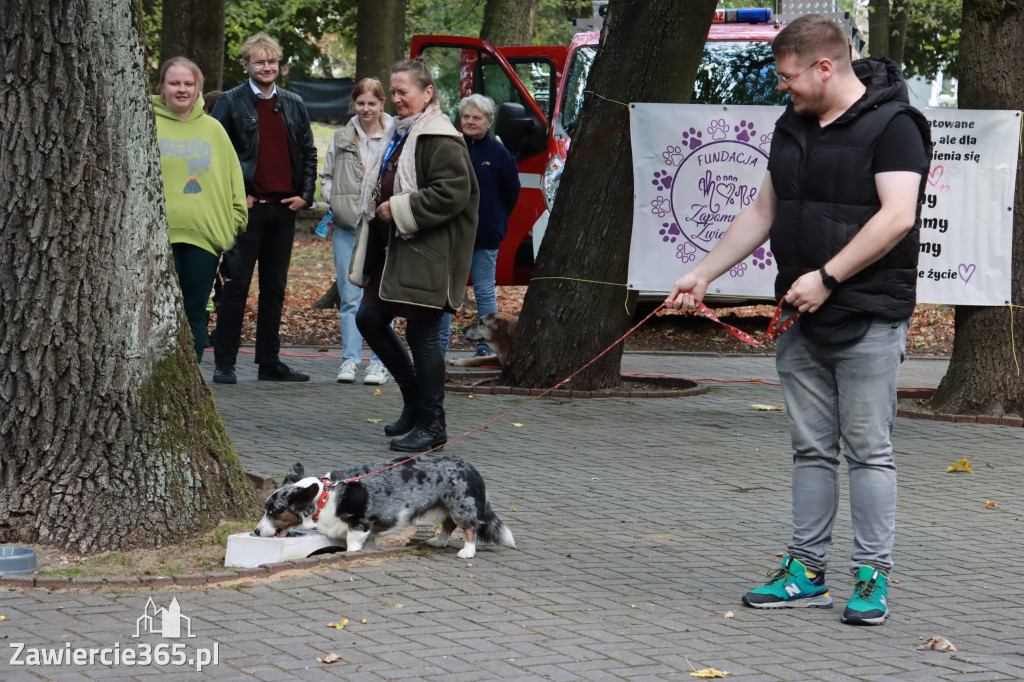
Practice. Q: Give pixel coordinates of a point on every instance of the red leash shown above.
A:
(775, 328)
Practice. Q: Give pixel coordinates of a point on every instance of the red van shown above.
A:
(539, 95)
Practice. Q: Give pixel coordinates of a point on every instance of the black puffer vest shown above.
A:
(824, 200)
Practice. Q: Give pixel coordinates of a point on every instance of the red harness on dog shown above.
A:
(321, 501)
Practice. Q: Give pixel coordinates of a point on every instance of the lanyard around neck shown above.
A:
(392, 147)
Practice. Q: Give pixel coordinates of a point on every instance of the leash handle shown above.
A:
(775, 327)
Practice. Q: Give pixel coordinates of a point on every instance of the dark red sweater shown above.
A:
(272, 179)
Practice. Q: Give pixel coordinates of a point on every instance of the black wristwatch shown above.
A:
(828, 280)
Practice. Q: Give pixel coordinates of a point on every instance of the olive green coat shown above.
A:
(431, 243)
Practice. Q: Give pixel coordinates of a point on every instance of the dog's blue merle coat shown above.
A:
(421, 490)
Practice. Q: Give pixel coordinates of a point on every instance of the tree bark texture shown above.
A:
(898, 30)
(649, 52)
(109, 438)
(988, 355)
(509, 22)
(195, 29)
(878, 28)
(380, 41)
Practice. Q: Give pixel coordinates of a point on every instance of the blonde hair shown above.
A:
(261, 42)
(197, 73)
(368, 85)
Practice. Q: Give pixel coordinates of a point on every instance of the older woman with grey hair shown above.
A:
(498, 175)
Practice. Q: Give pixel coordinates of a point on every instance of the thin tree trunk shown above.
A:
(878, 28)
(650, 52)
(898, 30)
(195, 29)
(983, 376)
(380, 41)
(109, 438)
(509, 22)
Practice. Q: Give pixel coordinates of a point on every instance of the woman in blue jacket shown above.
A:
(498, 175)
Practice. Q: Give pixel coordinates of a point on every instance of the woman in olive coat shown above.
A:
(418, 205)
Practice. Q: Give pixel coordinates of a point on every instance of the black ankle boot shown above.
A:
(404, 424)
(429, 433)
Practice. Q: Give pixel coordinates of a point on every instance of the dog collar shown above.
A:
(321, 501)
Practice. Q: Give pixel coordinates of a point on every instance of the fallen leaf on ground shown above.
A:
(377, 392)
(767, 408)
(962, 465)
(3, 618)
(329, 658)
(989, 504)
(728, 614)
(704, 672)
(938, 644)
(470, 396)
(374, 420)
(322, 349)
(336, 626)
(516, 424)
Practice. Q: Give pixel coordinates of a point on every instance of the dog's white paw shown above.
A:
(458, 362)
(467, 552)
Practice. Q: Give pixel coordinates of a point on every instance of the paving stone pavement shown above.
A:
(639, 524)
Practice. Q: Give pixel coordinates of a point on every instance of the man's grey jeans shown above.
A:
(846, 391)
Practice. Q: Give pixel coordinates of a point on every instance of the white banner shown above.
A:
(696, 166)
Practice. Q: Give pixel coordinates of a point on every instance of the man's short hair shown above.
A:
(813, 36)
(261, 43)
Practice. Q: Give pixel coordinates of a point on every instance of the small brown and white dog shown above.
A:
(494, 329)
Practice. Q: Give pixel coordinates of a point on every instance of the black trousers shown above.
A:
(421, 383)
(268, 240)
(196, 270)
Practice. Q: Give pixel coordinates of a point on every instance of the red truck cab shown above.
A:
(539, 94)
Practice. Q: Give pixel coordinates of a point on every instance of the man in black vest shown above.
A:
(847, 168)
(270, 130)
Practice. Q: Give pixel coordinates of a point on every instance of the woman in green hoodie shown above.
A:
(203, 187)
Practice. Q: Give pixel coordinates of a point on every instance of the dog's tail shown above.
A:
(493, 530)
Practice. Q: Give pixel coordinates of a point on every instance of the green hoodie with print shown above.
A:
(203, 186)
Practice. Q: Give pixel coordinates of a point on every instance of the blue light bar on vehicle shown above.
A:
(752, 15)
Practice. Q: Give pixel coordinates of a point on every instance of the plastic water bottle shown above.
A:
(324, 228)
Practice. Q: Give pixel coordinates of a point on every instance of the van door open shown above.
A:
(523, 83)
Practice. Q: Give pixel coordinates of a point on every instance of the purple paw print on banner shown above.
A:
(718, 129)
(691, 138)
(662, 180)
(686, 252)
(766, 143)
(762, 257)
(669, 232)
(673, 155)
(738, 270)
(745, 131)
(659, 207)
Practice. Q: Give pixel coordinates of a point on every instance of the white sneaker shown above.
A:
(375, 374)
(347, 373)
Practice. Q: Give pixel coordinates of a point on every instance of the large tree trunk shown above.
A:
(983, 375)
(509, 22)
(898, 30)
(380, 41)
(878, 28)
(195, 29)
(649, 53)
(109, 438)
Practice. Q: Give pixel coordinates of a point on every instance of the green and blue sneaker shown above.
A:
(868, 605)
(790, 587)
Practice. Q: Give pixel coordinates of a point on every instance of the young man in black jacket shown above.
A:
(270, 130)
(847, 169)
